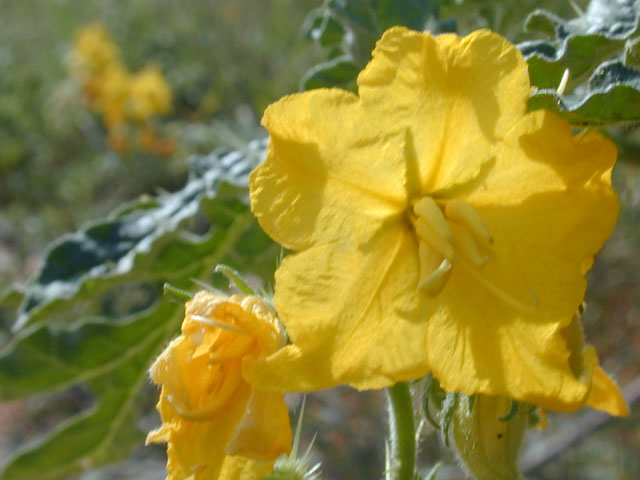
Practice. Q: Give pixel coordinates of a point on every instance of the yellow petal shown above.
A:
(236, 467)
(539, 155)
(352, 313)
(480, 343)
(320, 172)
(264, 432)
(549, 205)
(194, 448)
(457, 96)
(606, 396)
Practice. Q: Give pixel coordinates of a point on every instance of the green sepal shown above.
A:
(235, 278)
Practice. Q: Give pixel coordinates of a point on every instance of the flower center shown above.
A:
(455, 235)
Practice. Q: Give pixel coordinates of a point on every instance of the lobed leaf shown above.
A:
(95, 314)
(599, 48)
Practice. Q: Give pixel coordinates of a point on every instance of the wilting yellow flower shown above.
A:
(216, 424)
(149, 94)
(439, 227)
(93, 50)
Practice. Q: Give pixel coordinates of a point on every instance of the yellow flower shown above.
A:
(93, 50)
(112, 89)
(149, 94)
(216, 424)
(439, 227)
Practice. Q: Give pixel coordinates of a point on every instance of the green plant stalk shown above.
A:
(402, 432)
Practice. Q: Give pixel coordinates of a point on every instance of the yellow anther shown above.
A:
(429, 259)
(432, 284)
(439, 243)
(223, 395)
(427, 209)
(214, 323)
(461, 212)
(467, 246)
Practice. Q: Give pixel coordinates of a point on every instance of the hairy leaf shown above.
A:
(95, 314)
(599, 49)
(349, 29)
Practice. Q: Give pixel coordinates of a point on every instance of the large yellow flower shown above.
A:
(439, 227)
(216, 424)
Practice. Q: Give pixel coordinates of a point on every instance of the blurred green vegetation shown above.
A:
(224, 60)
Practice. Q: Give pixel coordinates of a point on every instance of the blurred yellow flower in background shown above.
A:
(128, 102)
(216, 424)
(150, 94)
(439, 227)
(94, 50)
(112, 91)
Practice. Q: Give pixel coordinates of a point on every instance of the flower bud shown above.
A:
(487, 432)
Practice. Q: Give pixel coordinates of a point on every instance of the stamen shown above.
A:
(229, 387)
(429, 259)
(467, 246)
(215, 323)
(432, 284)
(428, 210)
(463, 213)
(439, 243)
(501, 294)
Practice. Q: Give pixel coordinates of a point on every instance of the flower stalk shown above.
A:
(402, 433)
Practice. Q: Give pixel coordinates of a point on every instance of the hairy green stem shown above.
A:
(402, 432)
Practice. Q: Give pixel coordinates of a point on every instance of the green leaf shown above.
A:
(338, 72)
(599, 48)
(10, 300)
(95, 314)
(329, 31)
(113, 360)
(411, 13)
(357, 14)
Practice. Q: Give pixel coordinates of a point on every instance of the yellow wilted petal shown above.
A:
(237, 467)
(215, 423)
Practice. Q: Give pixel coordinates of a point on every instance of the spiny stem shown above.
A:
(402, 433)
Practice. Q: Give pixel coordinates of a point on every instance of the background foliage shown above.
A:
(76, 340)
